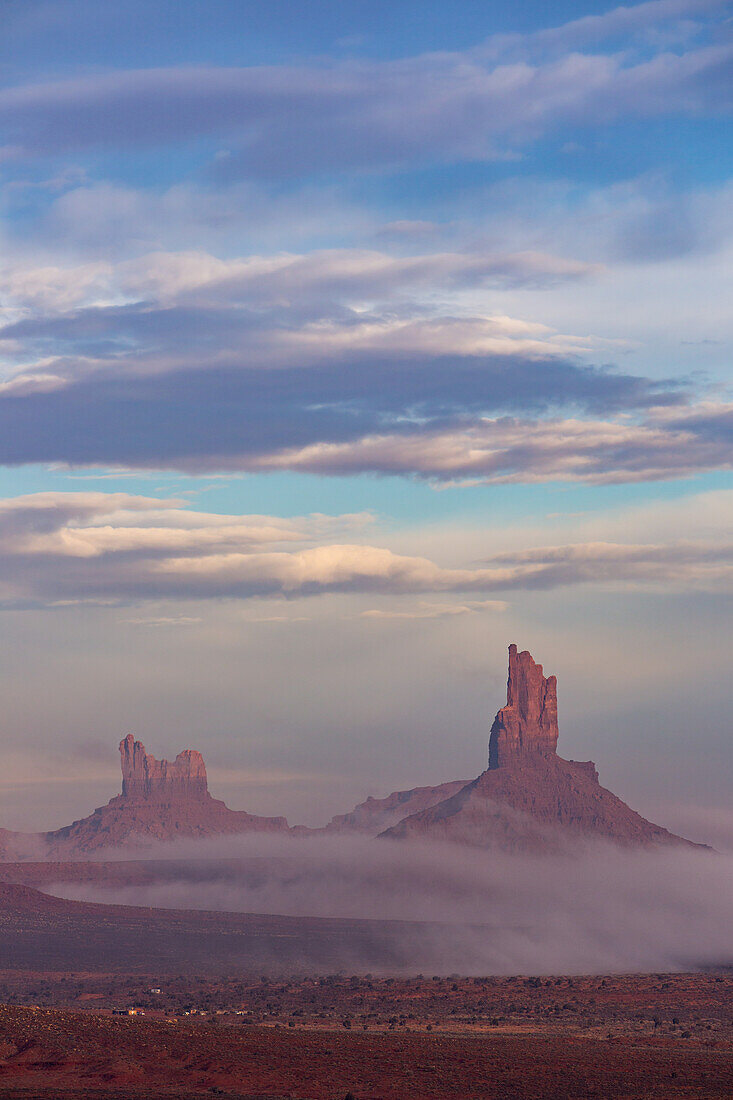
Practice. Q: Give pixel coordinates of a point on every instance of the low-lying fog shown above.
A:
(602, 911)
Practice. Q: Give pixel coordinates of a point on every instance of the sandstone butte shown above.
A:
(161, 800)
(528, 799)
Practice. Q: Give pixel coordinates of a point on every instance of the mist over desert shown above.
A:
(602, 911)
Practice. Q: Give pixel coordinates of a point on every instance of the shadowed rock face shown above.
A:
(144, 777)
(376, 814)
(528, 722)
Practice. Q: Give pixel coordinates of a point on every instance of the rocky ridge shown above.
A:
(374, 815)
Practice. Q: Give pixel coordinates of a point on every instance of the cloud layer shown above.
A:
(664, 444)
(345, 361)
(404, 359)
(59, 548)
(334, 116)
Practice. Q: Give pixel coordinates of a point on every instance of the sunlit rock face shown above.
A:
(528, 722)
(144, 777)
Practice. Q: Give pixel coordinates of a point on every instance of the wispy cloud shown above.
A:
(424, 610)
(705, 565)
(472, 105)
(163, 620)
(655, 22)
(346, 274)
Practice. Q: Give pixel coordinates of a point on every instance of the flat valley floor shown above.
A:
(660, 1035)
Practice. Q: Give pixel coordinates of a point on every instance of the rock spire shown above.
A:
(527, 725)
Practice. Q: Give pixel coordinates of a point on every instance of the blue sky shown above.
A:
(336, 331)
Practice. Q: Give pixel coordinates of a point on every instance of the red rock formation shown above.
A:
(144, 777)
(530, 798)
(528, 722)
(376, 814)
(160, 801)
(542, 805)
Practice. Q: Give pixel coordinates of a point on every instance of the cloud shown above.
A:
(278, 619)
(688, 564)
(288, 120)
(61, 548)
(57, 547)
(169, 310)
(326, 363)
(665, 444)
(655, 21)
(436, 610)
(95, 343)
(400, 413)
(163, 620)
(336, 359)
(117, 219)
(199, 278)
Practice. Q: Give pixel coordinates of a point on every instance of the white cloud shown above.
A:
(198, 277)
(47, 558)
(656, 21)
(666, 443)
(163, 620)
(58, 546)
(424, 610)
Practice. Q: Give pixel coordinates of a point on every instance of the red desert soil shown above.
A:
(49, 1053)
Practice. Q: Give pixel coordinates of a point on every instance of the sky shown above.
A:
(341, 345)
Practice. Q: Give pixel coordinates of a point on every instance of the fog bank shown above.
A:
(601, 911)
